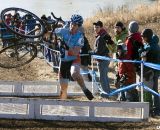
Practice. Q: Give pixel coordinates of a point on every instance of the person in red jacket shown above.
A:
(134, 43)
(126, 75)
(134, 35)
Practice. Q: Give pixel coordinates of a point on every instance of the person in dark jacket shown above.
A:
(150, 53)
(85, 57)
(156, 107)
(100, 48)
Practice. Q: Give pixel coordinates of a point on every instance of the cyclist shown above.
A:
(74, 41)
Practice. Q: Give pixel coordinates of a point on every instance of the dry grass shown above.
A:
(146, 16)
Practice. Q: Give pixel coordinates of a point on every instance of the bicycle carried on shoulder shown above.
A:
(23, 47)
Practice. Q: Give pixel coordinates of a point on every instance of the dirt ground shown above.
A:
(59, 125)
(39, 70)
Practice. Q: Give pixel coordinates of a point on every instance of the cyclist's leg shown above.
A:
(75, 73)
(64, 78)
(64, 87)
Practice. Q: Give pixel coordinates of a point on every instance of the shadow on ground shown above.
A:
(41, 124)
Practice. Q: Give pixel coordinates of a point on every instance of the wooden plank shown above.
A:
(11, 111)
(40, 88)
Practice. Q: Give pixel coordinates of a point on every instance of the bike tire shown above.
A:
(22, 11)
(26, 52)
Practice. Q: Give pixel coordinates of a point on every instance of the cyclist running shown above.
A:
(74, 41)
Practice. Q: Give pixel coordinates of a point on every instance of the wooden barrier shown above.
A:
(69, 110)
(40, 88)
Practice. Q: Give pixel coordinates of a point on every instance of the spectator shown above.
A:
(31, 23)
(16, 21)
(126, 75)
(100, 48)
(6, 36)
(121, 32)
(150, 53)
(156, 106)
(133, 43)
(134, 35)
(85, 59)
(8, 19)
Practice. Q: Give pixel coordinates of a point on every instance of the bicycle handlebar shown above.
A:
(58, 19)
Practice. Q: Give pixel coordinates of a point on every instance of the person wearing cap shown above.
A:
(121, 34)
(100, 48)
(151, 53)
(72, 40)
(126, 75)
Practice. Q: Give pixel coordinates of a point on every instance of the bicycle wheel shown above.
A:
(22, 22)
(17, 55)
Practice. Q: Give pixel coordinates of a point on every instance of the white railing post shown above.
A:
(142, 67)
(92, 75)
(18, 89)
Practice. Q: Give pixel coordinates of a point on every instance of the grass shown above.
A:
(146, 16)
